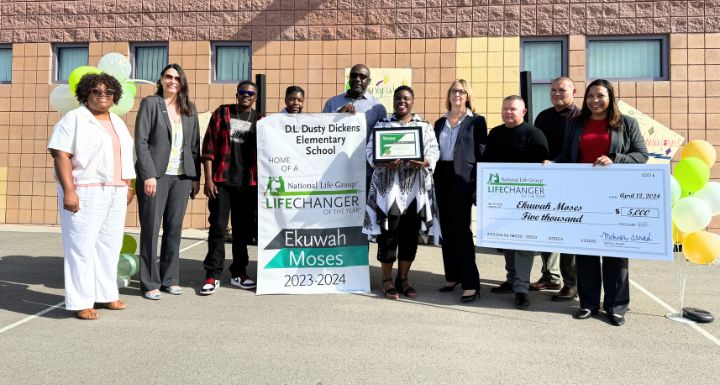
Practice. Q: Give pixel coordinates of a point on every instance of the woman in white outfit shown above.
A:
(93, 158)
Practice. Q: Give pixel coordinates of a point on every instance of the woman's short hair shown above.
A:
(404, 88)
(91, 81)
(469, 103)
(613, 111)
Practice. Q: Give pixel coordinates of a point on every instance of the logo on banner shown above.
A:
(515, 185)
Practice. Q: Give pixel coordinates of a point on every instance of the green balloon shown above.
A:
(692, 174)
(128, 86)
(78, 73)
(127, 266)
(129, 245)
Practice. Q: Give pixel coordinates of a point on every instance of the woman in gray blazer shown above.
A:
(601, 135)
(167, 145)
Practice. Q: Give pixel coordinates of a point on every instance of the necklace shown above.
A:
(237, 113)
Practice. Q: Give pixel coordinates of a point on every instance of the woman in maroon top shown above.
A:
(601, 135)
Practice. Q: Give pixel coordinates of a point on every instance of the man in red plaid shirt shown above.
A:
(229, 157)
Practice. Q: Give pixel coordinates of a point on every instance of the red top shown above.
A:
(594, 141)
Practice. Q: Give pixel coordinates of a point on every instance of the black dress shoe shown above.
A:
(504, 288)
(521, 300)
(566, 294)
(447, 289)
(470, 298)
(616, 319)
(583, 313)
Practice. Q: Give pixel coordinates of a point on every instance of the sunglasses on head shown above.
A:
(246, 93)
(99, 92)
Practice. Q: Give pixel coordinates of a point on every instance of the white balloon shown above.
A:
(710, 193)
(675, 190)
(116, 65)
(691, 214)
(62, 100)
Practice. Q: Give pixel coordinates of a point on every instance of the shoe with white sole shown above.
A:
(244, 282)
(209, 287)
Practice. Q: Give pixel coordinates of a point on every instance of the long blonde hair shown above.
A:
(469, 103)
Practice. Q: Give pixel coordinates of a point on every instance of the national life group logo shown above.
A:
(498, 184)
(332, 197)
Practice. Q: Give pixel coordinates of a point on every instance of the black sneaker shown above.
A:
(209, 287)
(504, 288)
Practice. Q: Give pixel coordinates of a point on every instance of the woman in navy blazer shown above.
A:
(601, 135)
(462, 135)
(167, 145)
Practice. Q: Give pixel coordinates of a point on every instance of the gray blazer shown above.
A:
(626, 144)
(153, 137)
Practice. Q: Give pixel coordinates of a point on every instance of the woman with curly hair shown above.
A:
(167, 142)
(92, 152)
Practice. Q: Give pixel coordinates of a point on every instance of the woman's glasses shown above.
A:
(170, 77)
(99, 92)
(457, 91)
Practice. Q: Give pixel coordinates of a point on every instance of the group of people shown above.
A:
(93, 155)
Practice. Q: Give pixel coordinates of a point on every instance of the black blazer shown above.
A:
(153, 137)
(469, 147)
(626, 144)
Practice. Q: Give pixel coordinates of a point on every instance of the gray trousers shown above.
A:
(518, 264)
(555, 264)
(167, 207)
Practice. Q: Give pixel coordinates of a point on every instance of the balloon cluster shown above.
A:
(129, 263)
(63, 98)
(695, 201)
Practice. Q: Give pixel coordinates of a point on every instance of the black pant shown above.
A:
(400, 240)
(167, 206)
(454, 206)
(242, 203)
(611, 274)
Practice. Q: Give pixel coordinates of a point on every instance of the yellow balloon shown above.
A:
(677, 235)
(700, 149)
(701, 247)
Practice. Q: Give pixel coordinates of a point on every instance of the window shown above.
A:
(5, 64)
(231, 62)
(149, 61)
(546, 59)
(627, 58)
(67, 58)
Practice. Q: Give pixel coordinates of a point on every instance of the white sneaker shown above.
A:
(245, 284)
(209, 287)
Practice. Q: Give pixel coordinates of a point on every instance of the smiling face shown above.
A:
(100, 99)
(246, 95)
(403, 103)
(513, 112)
(562, 93)
(359, 80)
(458, 96)
(170, 82)
(294, 103)
(597, 100)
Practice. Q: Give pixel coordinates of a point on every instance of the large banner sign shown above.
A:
(311, 198)
(383, 82)
(662, 143)
(614, 211)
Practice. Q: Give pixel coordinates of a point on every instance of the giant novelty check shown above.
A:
(613, 211)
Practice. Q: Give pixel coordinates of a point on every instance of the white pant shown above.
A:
(92, 239)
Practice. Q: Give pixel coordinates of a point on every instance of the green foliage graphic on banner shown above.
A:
(319, 257)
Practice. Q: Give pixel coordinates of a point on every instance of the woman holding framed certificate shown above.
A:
(400, 202)
(462, 135)
(601, 135)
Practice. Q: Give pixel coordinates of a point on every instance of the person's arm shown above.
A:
(636, 151)
(539, 150)
(480, 132)
(195, 150)
(564, 154)
(210, 187)
(145, 165)
(208, 152)
(63, 170)
(131, 190)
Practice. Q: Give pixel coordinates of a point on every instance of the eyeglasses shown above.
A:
(241, 93)
(170, 77)
(360, 76)
(99, 92)
(457, 91)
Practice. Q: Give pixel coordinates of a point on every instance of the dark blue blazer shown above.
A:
(469, 147)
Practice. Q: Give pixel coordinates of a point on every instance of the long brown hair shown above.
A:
(183, 100)
(613, 112)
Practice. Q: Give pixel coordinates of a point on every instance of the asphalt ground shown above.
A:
(235, 337)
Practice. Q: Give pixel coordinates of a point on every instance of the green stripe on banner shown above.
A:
(319, 257)
(316, 192)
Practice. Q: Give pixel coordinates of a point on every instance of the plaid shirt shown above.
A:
(216, 146)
